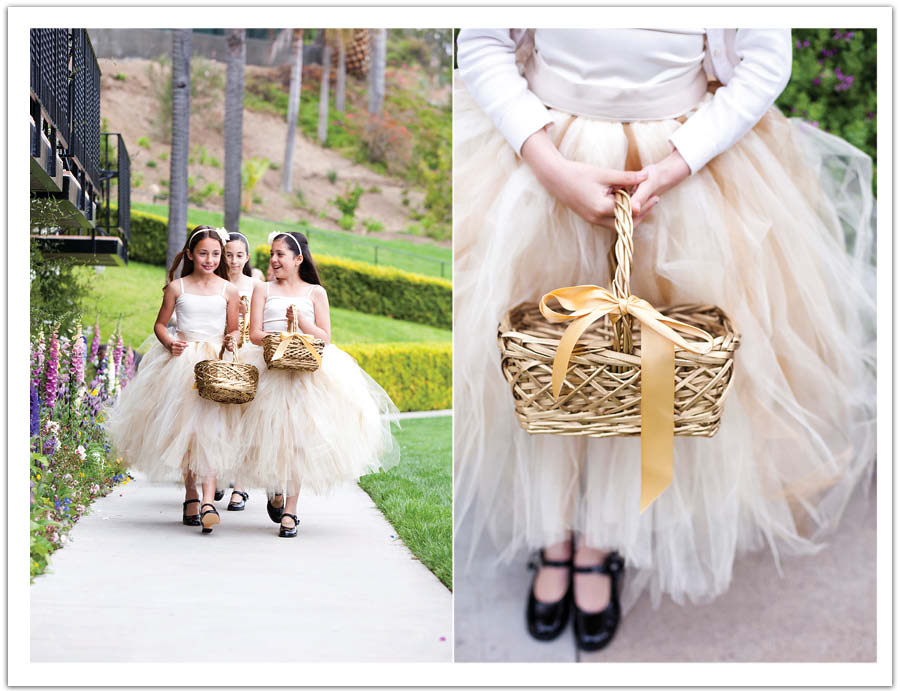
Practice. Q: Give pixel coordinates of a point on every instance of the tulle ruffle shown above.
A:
(161, 426)
(315, 430)
(777, 231)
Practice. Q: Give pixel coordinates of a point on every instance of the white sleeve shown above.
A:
(761, 75)
(487, 66)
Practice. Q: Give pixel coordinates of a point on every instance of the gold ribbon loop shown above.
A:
(287, 337)
(659, 336)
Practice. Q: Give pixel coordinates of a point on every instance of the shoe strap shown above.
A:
(540, 560)
(612, 565)
(292, 517)
(212, 510)
(189, 501)
(242, 494)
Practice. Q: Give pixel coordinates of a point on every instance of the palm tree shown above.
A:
(293, 108)
(323, 90)
(340, 89)
(378, 39)
(234, 113)
(178, 161)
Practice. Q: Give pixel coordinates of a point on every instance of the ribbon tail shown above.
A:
(657, 414)
(279, 351)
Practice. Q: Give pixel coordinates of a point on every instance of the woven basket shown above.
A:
(298, 354)
(244, 322)
(226, 382)
(601, 393)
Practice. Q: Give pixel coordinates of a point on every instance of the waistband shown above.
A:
(659, 102)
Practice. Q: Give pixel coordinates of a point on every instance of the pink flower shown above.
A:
(95, 343)
(52, 373)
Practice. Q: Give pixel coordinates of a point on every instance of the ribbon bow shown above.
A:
(659, 335)
(295, 333)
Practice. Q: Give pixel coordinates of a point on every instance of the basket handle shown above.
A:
(245, 321)
(234, 353)
(620, 258)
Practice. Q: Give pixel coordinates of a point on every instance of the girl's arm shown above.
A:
(160, 328)
(321, 328)
(257, 305)
(232, 310)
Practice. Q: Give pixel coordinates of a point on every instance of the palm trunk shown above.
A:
(293, 109)
(178, 161)
(378, 42)
(234, 114)
(341, 87)
(323, 93)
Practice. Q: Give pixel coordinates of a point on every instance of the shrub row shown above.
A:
(381, 290)
(149, 237)
(417, 376)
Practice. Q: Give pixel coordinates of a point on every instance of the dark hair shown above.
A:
(308, 271)
(237, 236)
(196, 235)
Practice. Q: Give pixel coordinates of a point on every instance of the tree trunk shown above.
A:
(378, 42)
(341, 86)
(234, 113)
(323, 92)
(293, 109)
(178, 161)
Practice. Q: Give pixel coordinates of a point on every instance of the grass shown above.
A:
(416, 495)
(134, 293)
(409, 256)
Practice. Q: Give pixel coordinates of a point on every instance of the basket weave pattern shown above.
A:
(226, 382)
(601, 394)
(297, 354)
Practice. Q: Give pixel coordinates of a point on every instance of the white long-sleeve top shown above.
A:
(629, 74)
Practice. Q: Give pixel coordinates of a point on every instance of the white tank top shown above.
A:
(201, 317)
(276, 306)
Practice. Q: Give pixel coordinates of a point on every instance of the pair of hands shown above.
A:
(588, 190)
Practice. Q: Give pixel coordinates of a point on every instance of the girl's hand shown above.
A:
(661, 177)
(177, 347)
(230, 340)
(289, 314)
(584, 188)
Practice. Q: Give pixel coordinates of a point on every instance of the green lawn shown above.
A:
(134, 293)
(409, 256)
(416, 496)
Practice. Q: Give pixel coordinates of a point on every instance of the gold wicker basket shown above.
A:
(226, 382)
(293, 349)
(598, 385)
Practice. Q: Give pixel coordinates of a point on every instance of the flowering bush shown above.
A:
(70, 464)
(833, 83)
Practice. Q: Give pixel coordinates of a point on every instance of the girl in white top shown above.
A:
(237, 264)
(308, 429)
(730, 211)
(159, 423)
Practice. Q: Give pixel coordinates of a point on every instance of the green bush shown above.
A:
(380, 290)
(833, 83)
(417, 376)
(149, 237)
(143, 142)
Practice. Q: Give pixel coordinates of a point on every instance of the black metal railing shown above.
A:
(115, 165)
(84, 102)
(50, 73)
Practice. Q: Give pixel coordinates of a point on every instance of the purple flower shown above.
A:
(817, 81)
(52, 373)
(798, 44)
(95, 343)
(129, 368)
(35, 411)
(815, 123)
(806, 43)
(821, 61)
(849, 36)
(120, 349)
(838, 73)
(37, 360)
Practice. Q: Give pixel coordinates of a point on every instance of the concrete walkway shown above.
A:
(821, 610)
(136, 585)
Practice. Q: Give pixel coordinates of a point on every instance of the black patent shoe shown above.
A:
(238, 505)
(594, 630)
(275, 512)
(219, 494)
(193, 519)
(208, 518)
(288, 532)
(546, 620)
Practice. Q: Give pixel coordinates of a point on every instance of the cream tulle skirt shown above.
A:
(314, 430)
(777, 231)
(161, 426)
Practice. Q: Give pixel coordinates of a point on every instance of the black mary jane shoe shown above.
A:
(193, 519)
(595, 630)
(288, 532)
(219, 494)
(546, 620)
(238, 505)
(275, 512)
(208, 518)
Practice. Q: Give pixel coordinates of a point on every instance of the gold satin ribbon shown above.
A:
(659, 335)
(287, 336)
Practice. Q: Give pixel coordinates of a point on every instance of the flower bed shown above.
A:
(70, 453)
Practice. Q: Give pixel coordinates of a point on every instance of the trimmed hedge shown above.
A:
(380, 290)
(149, 237)
(417, 376)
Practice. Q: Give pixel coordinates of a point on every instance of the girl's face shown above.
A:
(283, 262)
(235, 257)
(206, 255)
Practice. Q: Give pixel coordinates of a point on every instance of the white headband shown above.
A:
(275, 233)
(221, 232)
(242, 235)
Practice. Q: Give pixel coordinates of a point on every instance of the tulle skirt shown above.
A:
(778, 232)
(161, 426)
(315, 430)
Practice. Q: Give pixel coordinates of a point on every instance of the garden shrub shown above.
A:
(149, 237)
(417, 376)
(380, 290)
